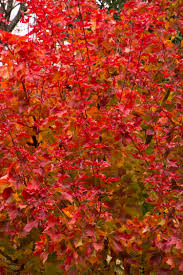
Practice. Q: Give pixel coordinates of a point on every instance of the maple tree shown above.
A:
(91, 140)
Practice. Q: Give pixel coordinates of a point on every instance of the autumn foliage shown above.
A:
(91, 147)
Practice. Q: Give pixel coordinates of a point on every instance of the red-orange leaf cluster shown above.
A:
(91, 139)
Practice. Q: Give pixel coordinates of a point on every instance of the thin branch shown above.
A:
(9, 9)
(25, 91)
(84, 34)
(10, 27)
(17, 18)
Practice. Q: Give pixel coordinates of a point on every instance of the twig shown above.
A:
(84, 34)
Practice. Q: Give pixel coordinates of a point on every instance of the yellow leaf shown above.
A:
(162, 222)
(153, 109)
(79, 243)
(68, 210)
(167, 25)
(16, 197)
(93, 26)
(158, 237)
(67, 213)
(168, 43)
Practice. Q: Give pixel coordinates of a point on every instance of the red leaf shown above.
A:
(7, 193)
(66, 196)
(31, 225)
(117, 246)
(98, 246)
(4, 180)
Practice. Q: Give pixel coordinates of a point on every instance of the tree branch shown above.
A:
(17, 18)
(9, 9)
(10, 27)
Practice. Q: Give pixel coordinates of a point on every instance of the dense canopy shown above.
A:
(91, 147)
